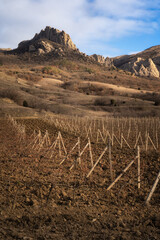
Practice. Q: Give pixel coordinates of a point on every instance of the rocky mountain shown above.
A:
(108, 62)
(51, 42)
(48, 40)
(145, 63)
(59, 44)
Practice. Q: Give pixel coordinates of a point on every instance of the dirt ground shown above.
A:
(40, 199)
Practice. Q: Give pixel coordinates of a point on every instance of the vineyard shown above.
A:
(79, 178)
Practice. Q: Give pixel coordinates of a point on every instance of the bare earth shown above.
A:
(42, 200)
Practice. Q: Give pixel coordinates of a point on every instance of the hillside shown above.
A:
(79, 145)
(49, 73)
(145, 63)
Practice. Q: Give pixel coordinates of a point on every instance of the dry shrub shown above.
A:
(155, 97)
(67, 64)
(89, 70)
(29, 77)
(87, 88)
(12, 94)
(102, 101)
(50, 70)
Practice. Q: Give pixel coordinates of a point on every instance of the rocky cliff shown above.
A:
(59, 44)
(145, 63)
(45, 41)
(108, 62)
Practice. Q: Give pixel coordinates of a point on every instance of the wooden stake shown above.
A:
(137, 140)
(153, 188)
(68, 154)
(126, 142)
(152, 142)
(60, 135)
(90, 151)
(59, 145)
(125, 170)
(99, 133)
(84, 149)
(156, 138)
(79, 151)
(146, 141)
(121, 140)
(110, 160)
(139, 167)
(141, 139)
(114, 136)
(97, 162)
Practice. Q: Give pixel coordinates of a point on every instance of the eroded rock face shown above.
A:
(50, 35)
(142, 67)
(98, 58)
(56, 36)
(108, 62)
(145, 63)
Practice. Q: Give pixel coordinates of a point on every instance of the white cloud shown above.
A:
(88, 22)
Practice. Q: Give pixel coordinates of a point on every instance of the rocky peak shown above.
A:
(141, 67)
(57, 36)
(98, 58)
(108, 62)
(49, 34)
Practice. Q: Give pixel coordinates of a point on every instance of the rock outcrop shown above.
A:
(138, 66)
(142, 67)
(45, 40)
(57, 36)
(146, 63)
(99, 58)
(108, 62)
(57, 43)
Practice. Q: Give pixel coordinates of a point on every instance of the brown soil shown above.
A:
(42, 200)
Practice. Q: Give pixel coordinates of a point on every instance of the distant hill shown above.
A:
(55, 43)
(145, 63)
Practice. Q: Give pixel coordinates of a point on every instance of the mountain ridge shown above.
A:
(59, 44)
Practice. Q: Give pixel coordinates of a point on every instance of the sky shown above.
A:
(106, 27)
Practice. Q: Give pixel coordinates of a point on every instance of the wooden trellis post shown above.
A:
(139, 167)
(153, 189)
(125, 170)
(97, 162)
(69, 153)
(90, 151)
(146, 141)
(139, 138)
(125, 141)
(79, 150)
(110, 159)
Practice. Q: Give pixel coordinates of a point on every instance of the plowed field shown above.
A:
(40, 199)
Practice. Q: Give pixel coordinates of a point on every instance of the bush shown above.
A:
(100, 102)
(157, 103)
(89, 70)
(12, 94)
(67, 64)
(50, 70)
(29, 77)
(25, 104)
(112, 102)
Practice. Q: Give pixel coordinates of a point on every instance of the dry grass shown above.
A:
(74, 87)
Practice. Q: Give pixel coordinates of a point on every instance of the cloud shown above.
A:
(89, 22)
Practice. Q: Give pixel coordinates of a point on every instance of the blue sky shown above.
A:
(106, 27)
